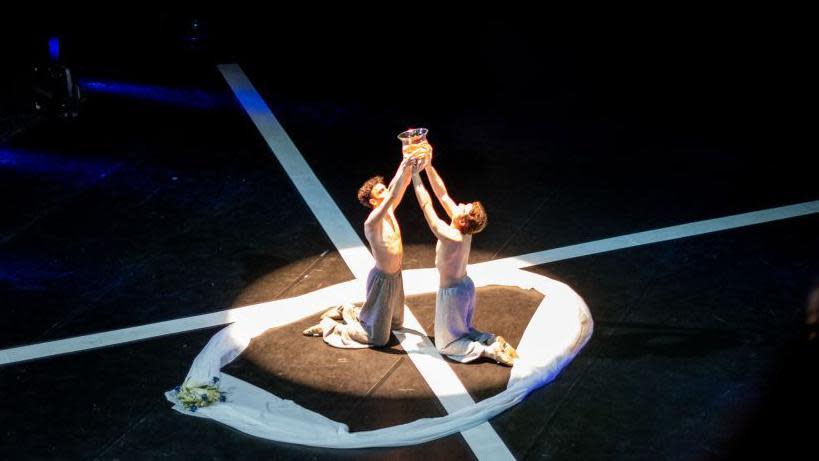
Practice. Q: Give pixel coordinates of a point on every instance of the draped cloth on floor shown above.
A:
(558, 330)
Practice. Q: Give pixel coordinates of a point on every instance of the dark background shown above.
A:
(731, 77)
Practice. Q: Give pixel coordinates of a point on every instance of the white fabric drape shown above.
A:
(558, 330)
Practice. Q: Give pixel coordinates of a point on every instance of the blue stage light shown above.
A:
(54, 48)
(194, 98)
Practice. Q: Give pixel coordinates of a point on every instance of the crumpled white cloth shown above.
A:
(560, 327)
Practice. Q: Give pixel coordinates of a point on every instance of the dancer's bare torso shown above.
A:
(451, 257)
(385, 243)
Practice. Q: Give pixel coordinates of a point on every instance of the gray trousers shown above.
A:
(454, 335)
(370, 324)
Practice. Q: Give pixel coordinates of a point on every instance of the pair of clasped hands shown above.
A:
(418, 155)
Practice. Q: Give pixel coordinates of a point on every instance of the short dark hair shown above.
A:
(366, 189)
(475, 220)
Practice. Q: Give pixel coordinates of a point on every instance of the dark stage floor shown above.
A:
(164, 201)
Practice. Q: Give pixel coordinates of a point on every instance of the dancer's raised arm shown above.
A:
(440, 228)
(395, 191)
(440, 191)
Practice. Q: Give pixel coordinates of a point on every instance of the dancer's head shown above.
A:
(372, 192)
(470, 218)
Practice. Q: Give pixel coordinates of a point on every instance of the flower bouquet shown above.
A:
(195, 397)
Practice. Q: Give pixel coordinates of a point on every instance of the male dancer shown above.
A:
(383, 310)
(455, 303)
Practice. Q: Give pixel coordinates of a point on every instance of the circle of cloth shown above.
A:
(558, 330)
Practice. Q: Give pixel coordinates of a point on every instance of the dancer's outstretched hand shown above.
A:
(405, 163)
(417, 165)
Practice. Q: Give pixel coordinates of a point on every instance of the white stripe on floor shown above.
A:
(153, 330)
(483, 440)
(341, 233)
(658, 235)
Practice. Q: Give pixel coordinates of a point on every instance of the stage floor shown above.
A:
(148, 209)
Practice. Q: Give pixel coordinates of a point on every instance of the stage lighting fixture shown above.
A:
(55, 89)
